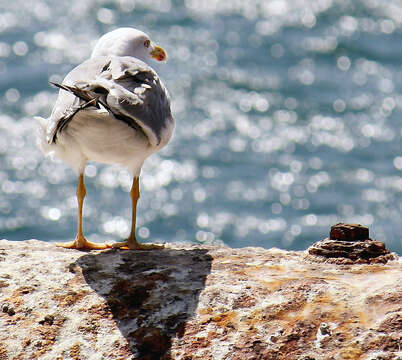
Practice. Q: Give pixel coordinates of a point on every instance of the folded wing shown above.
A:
(126, 87)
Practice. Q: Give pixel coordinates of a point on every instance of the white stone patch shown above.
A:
(323, 331)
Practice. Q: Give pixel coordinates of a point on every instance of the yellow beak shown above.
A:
(158, 53)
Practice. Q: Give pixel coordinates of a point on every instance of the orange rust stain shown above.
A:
(3, 353)
(47, 335)
(26, 342)
(244, 301)
(322, 308)
(276, 268)
(75, 351)
(364, 318)
(23, 290)
(204, 319)
(276, 284)
(227, 319)
(240, 273)
(320, 277)
(339, 312)
(369, 269)
(70, 298)
(15, 299)
(18, 357)
(351, 353)
(255, 317)
(264, 271)
(206, 311)
(98, 310)
(326, 309)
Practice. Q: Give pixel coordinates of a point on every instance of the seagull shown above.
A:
(113, 109)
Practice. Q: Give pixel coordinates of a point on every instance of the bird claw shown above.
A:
(82, 244)
(126, 245)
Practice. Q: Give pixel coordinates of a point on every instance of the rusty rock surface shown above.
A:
(194, 302)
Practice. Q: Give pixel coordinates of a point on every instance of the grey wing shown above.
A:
(128, 88)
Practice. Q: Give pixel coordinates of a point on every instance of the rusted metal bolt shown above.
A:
(349, 244)
(349, 232)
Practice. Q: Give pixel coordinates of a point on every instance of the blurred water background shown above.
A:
(288, 121)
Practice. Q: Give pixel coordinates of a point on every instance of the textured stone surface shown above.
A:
(188, 302)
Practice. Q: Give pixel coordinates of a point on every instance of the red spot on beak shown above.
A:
(158, 53)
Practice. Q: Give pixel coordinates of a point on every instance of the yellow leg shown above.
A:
(80, 242)
(131, 242)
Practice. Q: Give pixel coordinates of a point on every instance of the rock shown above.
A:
(48, 319)
(11, 312)
(7, 308)
(196, 302)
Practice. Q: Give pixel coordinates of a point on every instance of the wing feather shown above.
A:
(126, 87)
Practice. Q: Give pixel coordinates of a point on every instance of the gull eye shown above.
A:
(147, 43)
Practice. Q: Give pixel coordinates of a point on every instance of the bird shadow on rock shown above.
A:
(151, 294)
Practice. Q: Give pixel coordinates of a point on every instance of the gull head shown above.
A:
(128, 42)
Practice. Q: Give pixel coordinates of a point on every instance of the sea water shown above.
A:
(288, 121)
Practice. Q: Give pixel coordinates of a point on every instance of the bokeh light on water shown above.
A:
(288, 121)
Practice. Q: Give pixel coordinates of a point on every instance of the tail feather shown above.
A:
(41, 140)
